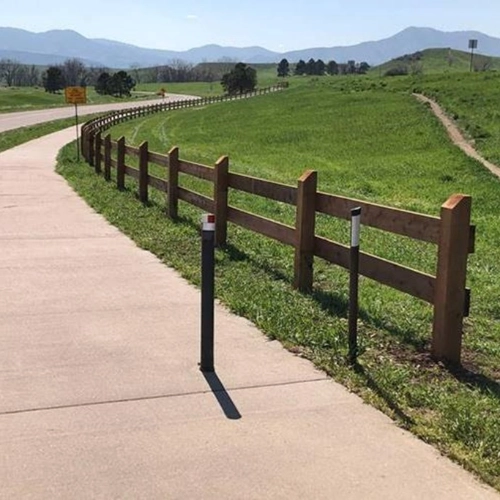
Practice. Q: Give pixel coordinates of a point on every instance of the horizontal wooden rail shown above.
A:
(271, 229)
(196, 170)
(415, 225)
(158, 159)
(133, 172)
(157, 183)
(196, 199)
(131, 151)
(401, 278)
(266, 189)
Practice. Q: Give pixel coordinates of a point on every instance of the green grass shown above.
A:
(471, 99)
(366, 142)
(438, 61)
(13, 138)
(202, 89)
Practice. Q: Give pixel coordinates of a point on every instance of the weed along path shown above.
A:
(10, 121)
(101, 395)
(456, 135)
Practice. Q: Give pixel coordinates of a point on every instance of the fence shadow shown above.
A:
(483, 383)
(223, 398)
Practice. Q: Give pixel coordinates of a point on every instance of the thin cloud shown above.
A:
(192, 17)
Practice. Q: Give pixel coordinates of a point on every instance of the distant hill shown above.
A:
(438, 61)
(54, 46)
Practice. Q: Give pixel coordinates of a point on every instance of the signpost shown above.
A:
(472, 46)
(76, 96)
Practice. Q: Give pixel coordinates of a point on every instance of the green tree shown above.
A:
(363, 68)
(319, 67)
(351, 67)
(311, 67)
(119, 84)
(300, 68)
(283, 68)
(101, 86)
(53, 79)
(241, 79)
(332, 68)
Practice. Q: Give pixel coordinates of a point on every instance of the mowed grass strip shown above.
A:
(375, 145)
(15, 137)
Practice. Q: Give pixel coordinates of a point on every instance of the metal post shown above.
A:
(207, 292)
(353, 283)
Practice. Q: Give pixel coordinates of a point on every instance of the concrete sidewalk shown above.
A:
(101, 396)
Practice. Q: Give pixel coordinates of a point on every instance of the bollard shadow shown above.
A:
(370, 382)
(223, 398)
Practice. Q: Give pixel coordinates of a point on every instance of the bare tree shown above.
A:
(75, 73)
(135, 69)
(27, 76)
(94, 72)
(9, 68)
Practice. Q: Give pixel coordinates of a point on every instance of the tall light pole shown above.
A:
(472, 46)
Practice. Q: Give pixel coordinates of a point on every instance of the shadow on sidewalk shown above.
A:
(222, 396)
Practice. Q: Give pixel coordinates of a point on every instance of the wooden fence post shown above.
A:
(143, 172)
(449, 295)
(304, 230)
(98, 153)
(120, 164)
(91, 159)
(173, 183)
(107, 157)
(83, 144)
(221, 172)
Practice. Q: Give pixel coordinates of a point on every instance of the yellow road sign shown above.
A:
(75, 95)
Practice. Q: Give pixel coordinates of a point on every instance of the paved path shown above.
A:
(456, 136)
(9, 121)
(101, 397)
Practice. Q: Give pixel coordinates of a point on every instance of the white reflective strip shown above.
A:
(208, 226)
(355, 230)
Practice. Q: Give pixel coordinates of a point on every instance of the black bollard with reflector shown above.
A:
(207, 292)
(353, 283)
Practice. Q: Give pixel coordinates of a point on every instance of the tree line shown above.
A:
(320, 68)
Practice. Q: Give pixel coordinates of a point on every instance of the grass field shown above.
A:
(469, 98)
(442, 61)
(368, 139)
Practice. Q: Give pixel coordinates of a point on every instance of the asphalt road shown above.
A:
(9, 121)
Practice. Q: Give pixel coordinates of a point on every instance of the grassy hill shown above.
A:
(437, 61)
(367, 138)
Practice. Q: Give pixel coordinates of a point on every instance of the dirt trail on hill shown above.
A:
(456, 136)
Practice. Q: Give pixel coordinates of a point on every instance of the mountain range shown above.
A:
(53, 47)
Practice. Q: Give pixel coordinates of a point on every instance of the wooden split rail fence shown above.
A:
(452, 232)
(99, 124)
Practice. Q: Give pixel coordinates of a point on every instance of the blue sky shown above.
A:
(275, 24)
